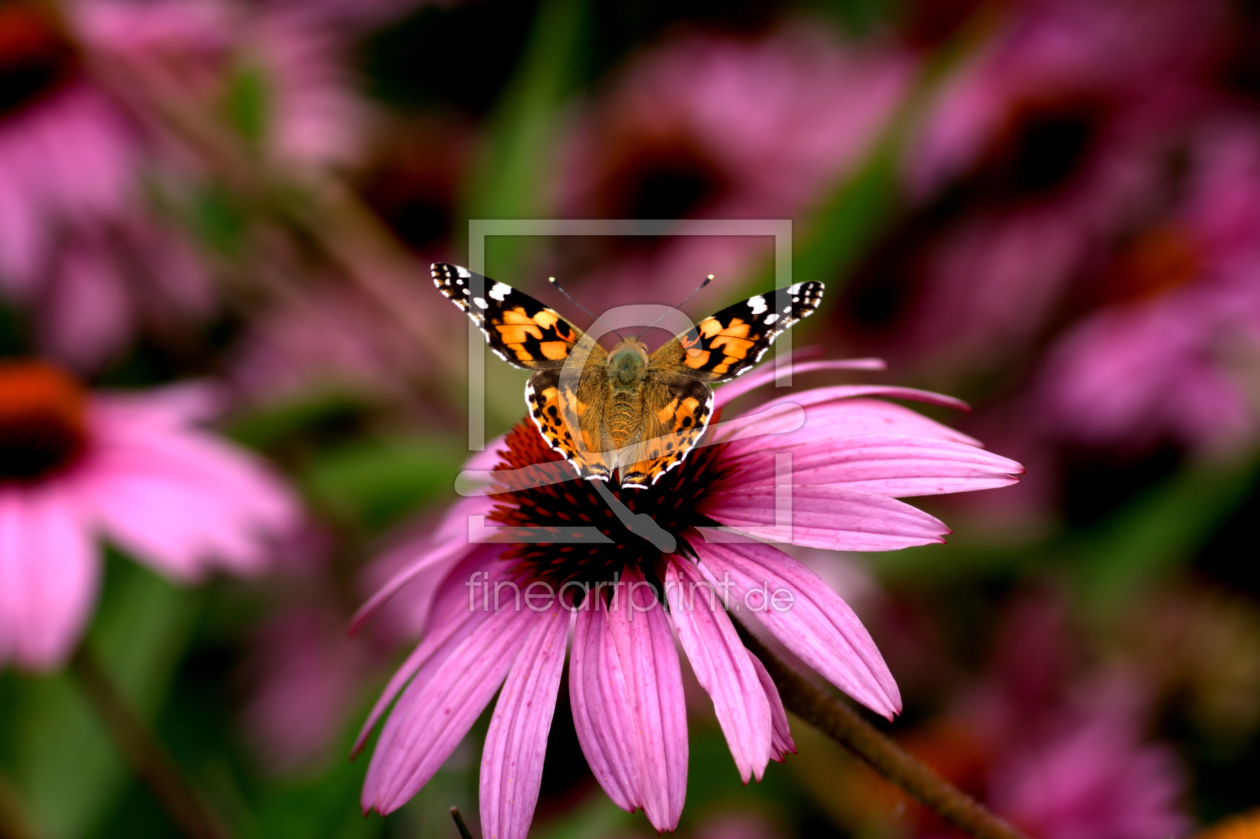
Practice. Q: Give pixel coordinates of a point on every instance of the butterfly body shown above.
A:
(624, 411)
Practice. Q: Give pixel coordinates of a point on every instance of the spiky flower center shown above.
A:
(595, 540)
(35, 58)
(42, 423)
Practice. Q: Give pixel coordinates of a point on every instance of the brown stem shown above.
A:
(145, 754)
(833, 718)
(464, 832)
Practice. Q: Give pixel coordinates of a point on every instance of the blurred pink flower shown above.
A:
(330, 337)
(1034, 156)
(75, 243)
(710, 126)
(1176, 356)
(306, 679)
(853, 457)
(1060, 755)
(131, 468)
(1095, 780)
(83, 243)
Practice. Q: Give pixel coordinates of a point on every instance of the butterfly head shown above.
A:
(627, 363)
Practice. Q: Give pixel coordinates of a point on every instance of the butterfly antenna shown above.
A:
(695, 291)
(556, 283)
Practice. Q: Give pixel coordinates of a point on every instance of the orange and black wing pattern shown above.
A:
(721, 347)
(519, 329)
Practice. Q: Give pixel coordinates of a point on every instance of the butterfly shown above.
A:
(623, 411)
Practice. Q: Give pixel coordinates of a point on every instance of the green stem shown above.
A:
(834, 718)
(141, 749)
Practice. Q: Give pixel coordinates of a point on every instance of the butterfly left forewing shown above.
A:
(519, 329)
(731, 342)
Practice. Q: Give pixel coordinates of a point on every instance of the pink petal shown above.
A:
(656, 712)
(722, 666)
(893, 466)
(48, 576)
(441, 704)
(828, 517)
(782, 733)
(816, 624)
(21, 243)
(841, 418)
(448, 543)
(454, 616)
(512, 760)
(181, 499)
(597, 692)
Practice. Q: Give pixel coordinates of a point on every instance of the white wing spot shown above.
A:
(500, 291)
(757, 304)
(770, 318)
(463, 272)
(795, 289)
(481, 302)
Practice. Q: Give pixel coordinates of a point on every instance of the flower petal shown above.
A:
(597, 692)
(180, 498)
(645, 648)
(441, 704)
(894, 466)
(828, 517)
(454, 617)
(782, 733)
(48, 576)
(816, 625)
(512, 759)
(722, 666)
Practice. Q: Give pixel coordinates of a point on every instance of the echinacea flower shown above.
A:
(84, 247)
(821, 468)
(73, 223)
(1039, 150)
(721, 127)
(75, 466)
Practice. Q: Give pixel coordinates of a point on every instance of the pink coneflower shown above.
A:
(714, 126)
(83, 244)
(1031, 159)
(1175, 353)
(77, 244)
(131, 468)
(836, 459)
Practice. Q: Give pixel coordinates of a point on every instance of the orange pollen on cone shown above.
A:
(42, 421)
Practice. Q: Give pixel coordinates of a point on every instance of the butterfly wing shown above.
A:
(721, 347)
(676, 413)
(519, 329)
(562, 411)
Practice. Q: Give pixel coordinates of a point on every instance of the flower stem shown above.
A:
(464, 832)
(834, 718)
(142, 750)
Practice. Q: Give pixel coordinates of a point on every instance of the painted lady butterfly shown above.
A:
(622, 411)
